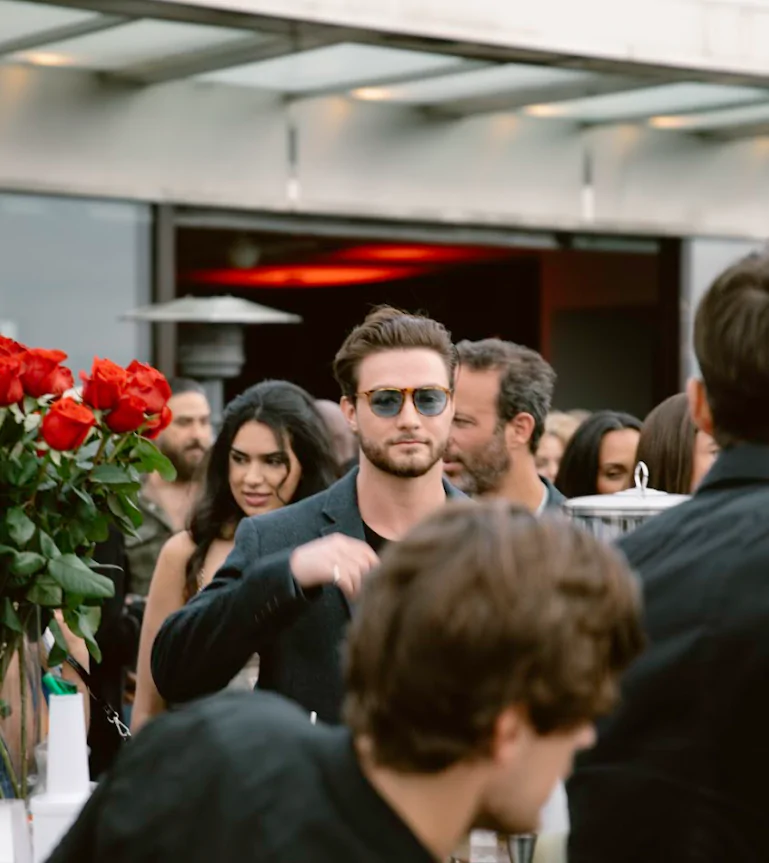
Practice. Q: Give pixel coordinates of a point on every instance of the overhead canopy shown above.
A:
(304, 61)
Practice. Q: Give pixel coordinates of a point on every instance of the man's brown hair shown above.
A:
(480, 608)
(388, 329)
(731, 341)
(526, 380)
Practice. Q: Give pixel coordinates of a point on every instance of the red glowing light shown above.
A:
(416, 254)
(306, 276)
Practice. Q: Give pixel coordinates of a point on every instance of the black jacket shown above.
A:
(681, 770)
(253, 605)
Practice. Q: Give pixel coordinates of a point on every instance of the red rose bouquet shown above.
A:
(70, 468)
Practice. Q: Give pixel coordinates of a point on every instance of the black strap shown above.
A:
(113, 717)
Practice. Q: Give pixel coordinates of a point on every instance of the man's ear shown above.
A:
(519, 430)
(510, 734)
(698, 405)
(348, 409)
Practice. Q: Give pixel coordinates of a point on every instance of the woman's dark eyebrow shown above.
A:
(235, 451)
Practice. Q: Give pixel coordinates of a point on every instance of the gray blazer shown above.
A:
(253, 605)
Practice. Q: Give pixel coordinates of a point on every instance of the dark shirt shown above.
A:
(254, 605)
(376, 541)
(680, 772)
(239, 778)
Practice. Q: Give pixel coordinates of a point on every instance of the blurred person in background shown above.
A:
(166, 505)
(342, 437)
(559, 428)
(287, 589)
(502, 398)
(580, 415)
(449, 727)
(680, 770)
(677, 453)
(273, 449)
(600, 458)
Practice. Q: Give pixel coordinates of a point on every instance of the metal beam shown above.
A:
(394, 80)
(739, 131)
(164, 336)
(248, 50)
(512, 99)
(60, 34)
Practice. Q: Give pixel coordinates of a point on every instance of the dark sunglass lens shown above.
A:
(386, 403)
(430, 401)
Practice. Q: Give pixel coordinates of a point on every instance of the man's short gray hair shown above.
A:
(526, 379)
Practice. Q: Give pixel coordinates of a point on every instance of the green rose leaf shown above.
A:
(86, 507)
(27, 563)
(45, 592)
(74, 576)
(110, 474)
(151, 459)
(84, 622)
(8, 616)
(28, 471)
(20, 527)
(58, 637)
(57, 656)
(48, 546)
(98, 529)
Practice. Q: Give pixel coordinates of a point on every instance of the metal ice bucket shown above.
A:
(609, 516)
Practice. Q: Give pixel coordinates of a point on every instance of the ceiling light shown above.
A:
(371, 94)
(546, 110)
(670, 122)
(40, 58)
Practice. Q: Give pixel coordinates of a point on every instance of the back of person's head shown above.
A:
(179, 386)
(579, 468)
(389, 329)
(290, 413)
(666, 445)
(562, 425)
(526, 379)
(731, 342)
(481, 608)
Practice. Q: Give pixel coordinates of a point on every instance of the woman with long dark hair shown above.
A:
(273, 449)
(600, 458)
(676, 452)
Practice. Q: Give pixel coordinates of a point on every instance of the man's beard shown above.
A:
(484, 468)
(186, 461)
(408, 467)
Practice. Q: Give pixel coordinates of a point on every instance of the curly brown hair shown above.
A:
(480, 608)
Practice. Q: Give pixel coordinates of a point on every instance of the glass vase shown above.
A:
(22, 707)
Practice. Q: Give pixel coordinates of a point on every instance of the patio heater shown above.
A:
(211, 336)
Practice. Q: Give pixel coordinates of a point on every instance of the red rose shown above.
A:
(127, 416)
(43, 375)
(149, 385)
(105, 386)
(158, 423)
(11, 388)
(66, 425)
(9, 348)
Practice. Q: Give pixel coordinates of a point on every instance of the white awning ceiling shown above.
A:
(309, 61)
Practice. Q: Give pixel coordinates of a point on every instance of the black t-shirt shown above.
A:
(244, 778)
(376, 541)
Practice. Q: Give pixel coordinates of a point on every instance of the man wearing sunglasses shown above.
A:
(287, 589)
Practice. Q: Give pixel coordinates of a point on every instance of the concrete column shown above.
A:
(702, 261)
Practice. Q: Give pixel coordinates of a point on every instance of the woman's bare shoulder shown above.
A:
(177, 549)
